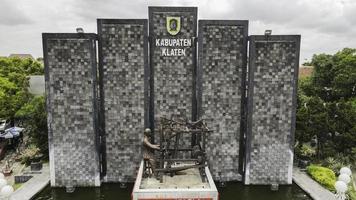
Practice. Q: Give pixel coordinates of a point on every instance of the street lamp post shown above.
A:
(341, 188)
(341, 185)
(5, 189)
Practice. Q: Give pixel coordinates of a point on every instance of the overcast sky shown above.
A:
(326, 26)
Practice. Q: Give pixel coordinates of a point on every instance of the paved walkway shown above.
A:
(316, 191)
(33, 186)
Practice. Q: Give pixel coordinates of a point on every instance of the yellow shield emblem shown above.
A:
(173, 25)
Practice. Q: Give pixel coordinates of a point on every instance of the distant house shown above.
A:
(305, 71)
(21, 56)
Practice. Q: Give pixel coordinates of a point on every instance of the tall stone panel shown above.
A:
(273, 76)
(172, 63)
(221, 93)
(124, 84)
(70, 74)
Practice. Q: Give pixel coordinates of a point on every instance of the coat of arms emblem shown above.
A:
(173, 25)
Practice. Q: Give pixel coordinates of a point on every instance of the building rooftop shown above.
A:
(305, 71)
(22, 56)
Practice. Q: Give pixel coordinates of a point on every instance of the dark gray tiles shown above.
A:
(172, 77)
(123, 57)
(221, 79)
(271, 109)
(70, 87)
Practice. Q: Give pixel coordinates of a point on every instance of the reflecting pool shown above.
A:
(232, 191)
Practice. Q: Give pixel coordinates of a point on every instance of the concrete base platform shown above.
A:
(33, 186)
(185, 185)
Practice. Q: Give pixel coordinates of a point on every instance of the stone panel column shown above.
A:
(70, 74)
(221, 92)
(172, 63)
(124, 84)
(273, 76)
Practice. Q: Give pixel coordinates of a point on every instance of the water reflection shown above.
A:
(232, 191)
(235, 191)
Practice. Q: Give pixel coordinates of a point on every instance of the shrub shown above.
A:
(305, 152)
(334, 164)
(34, 116)
(29, 154)
(351, 193)
(325, 176)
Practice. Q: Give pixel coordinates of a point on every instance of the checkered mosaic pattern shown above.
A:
(271, 110)
(124, 101)
(221, 62)
(70, 80)
(173, 75)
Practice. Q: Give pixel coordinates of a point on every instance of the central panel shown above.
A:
(172, 62)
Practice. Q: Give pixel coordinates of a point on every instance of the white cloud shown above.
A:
(11, 14)
(325, 25)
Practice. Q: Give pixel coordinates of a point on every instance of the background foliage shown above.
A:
(17, 104)
(34, 117)
(326, 117)
(14, 74)
(326, 113)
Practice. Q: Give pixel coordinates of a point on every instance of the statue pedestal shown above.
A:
(184, 185)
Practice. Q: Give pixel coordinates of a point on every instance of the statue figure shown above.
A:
(148, 152)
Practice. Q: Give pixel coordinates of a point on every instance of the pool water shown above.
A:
(232, 191)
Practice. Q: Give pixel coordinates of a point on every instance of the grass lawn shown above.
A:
(324, 176)
(17, 186)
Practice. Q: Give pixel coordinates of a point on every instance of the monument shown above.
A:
(172, 66)
(172, 175)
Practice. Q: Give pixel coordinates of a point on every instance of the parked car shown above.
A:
(4, 124)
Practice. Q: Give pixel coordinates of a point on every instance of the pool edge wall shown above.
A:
(165, 194)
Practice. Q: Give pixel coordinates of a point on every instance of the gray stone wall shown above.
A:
(134, 95)
(273, 79)
(123, 70)
(70, 68)
(172, 77)
(221, 80)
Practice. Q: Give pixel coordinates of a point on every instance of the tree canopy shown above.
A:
(334, 76)
(14, 84)
(327, 104)
(17, 103)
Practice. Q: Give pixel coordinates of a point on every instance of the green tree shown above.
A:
(327, 104)
(14, 84)
(35, 118)
(334, 76)
(12, 97)
(17, 102)
(20, 66)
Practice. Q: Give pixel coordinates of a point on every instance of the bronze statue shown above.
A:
(148, 152)
(174, 157)
(172, 134)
